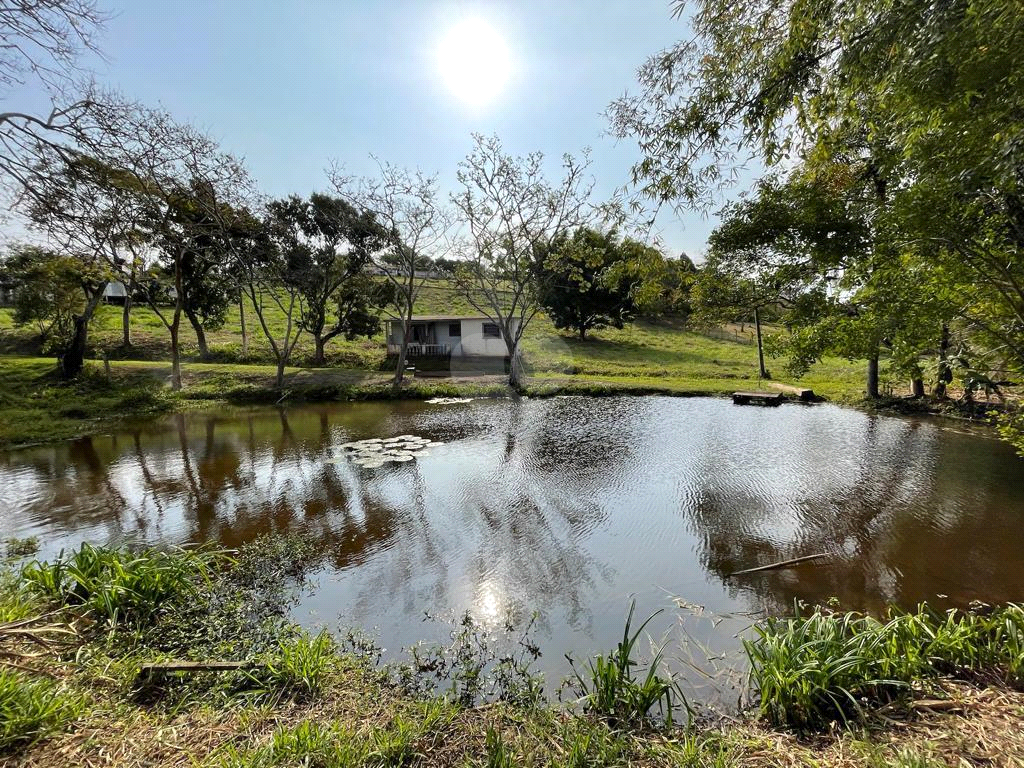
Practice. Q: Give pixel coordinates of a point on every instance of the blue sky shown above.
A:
(292, 86)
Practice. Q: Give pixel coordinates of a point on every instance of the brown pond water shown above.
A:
(568, 507)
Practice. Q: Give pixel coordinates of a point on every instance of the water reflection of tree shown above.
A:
(897, 527)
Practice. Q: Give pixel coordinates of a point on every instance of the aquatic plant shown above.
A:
(117, 585)
(609, 687)
(813, 669)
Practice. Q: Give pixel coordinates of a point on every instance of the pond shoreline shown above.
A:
(303, 699)
(39, 408)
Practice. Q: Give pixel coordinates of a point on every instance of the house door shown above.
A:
(420, 334)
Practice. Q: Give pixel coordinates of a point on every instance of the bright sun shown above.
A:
(474, 61)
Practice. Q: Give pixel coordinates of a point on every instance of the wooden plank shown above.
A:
(156, 668)
(760, 395)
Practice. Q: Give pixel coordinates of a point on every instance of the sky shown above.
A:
(294, 86)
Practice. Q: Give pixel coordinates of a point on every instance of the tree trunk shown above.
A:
(583, 333)
(917, 387)
(175, 354)
(872, 387)
(126, 320)
(762, 371)
(403, 350)
(241, 320)
(516, 377)
(204, 350)
(318, 354)
(280, 372)
(72, 359)
(945, 371)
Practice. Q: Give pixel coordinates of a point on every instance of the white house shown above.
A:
(455, 336)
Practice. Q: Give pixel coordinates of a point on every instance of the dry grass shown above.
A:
(984, 727)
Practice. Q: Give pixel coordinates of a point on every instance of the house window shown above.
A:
(454, 329)
(491, 331)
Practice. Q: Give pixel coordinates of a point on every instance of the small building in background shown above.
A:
(455, 343)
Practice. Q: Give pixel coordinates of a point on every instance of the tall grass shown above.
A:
(299, 668)
(31, 709)
(610, 687)
(117, 585)
(811, 670)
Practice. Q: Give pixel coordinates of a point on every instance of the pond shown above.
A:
(564, 508)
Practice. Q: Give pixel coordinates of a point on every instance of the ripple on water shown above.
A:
(568, 507)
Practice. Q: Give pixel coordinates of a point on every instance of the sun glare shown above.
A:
(474, 61)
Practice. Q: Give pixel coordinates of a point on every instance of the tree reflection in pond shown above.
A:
(568, 507)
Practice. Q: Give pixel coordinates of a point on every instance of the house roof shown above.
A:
(435, 318)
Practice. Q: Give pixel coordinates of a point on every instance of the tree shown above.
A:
(48, 290)
(88, 211)
(273, 272)
(932, 91)
(511, 215)
(810, 246)
(593, 279)
(338, 295)
(409, 208)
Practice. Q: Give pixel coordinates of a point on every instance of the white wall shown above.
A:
(472, 341)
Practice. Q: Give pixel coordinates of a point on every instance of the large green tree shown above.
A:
(593, 279)
(339, 242)
(929, 97)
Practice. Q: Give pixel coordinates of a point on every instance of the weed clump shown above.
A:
(811, 670)
(31, 709)
(119, 586)
(610, 688)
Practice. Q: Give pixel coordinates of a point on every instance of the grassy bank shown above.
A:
(75, 634)
(644, 358)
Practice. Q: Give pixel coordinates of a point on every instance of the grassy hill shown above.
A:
(661, 355)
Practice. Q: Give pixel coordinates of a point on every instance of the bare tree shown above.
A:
(510, 215)
(41, 41)
(44, 39)
(408, 205)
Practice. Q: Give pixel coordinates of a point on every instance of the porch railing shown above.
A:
(421, 350)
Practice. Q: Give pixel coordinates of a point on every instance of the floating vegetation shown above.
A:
(376, 452)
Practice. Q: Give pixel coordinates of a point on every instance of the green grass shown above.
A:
(611, 689)
(299, 667)
(118, 586)
(31, 709)
(811, 670)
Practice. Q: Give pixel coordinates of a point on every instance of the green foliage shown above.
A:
(811, 670)
(119, 586)
(593, 279)
(299, 668)
(47, 291)
(611, 689)
(31, 709)
(497, 754)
